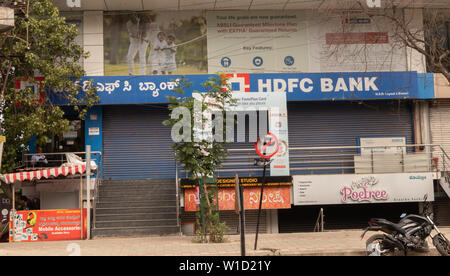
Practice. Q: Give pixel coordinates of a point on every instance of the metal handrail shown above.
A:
(407, 159)
(319, 222)
(98, 181)
(62, 160)
(177, 188)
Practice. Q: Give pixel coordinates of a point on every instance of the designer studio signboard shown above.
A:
(362, 188)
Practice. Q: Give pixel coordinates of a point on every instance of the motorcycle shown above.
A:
(410, 233)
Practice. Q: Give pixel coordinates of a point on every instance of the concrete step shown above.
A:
(135, 197)
(135, 231)
(142, 182)
(136, 187)
(127, 203)
(136, 223)
(134, 216)
(133, 210)
(126, 193)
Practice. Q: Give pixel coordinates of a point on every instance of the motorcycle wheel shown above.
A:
(441, 245)
(375, 246)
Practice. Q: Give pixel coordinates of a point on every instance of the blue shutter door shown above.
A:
(135, 143)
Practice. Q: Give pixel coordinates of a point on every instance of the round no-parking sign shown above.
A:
(267, 146)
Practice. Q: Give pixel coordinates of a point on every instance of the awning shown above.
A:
(43, 173)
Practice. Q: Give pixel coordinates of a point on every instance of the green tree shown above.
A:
(202, 153)
(42, 44)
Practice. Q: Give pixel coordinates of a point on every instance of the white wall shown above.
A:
(59, 200)
(93, 42)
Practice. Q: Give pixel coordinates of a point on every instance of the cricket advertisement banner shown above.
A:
(362, 188)
(47, 225)
(154, 43)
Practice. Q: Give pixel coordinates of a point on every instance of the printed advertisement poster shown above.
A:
(257, 41)
(47, 225)
(276, 105)
(352, 41)
(5, 208)
(154, 43)
(273, 198)
(362, 188)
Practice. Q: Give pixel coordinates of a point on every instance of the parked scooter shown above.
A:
(410, 233)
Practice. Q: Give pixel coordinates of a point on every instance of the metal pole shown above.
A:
(13, 211)
(81, 206)
(88, 190)
(202, 210)
(260, 203)
(321, 219)
(240, 204)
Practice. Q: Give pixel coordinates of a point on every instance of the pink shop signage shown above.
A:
(364, 190)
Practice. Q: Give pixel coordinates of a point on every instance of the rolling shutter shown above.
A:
(135, 143)
(341, 123)
(439, 124)
(316, 124)
(327, 124)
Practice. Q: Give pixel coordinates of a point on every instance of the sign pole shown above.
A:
(266, 148)
(88, 191)
(260, 203)
(240, 210)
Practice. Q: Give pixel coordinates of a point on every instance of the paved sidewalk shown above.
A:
(330, 243)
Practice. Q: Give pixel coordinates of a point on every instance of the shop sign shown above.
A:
(297, 86)
(47, 225)
(5, 207)
(273, 198)
(362, 188)
(230, 182)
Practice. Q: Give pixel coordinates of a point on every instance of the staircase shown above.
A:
(136, 208)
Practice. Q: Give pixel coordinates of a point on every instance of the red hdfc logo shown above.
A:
(239, 82)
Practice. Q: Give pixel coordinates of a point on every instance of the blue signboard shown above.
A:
(297, 86)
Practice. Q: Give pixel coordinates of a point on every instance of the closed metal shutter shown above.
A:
(342, 123)
(439, 124)
(232, 220)
(345, 216)
(315, 124)
(441, 208)
(135, 143)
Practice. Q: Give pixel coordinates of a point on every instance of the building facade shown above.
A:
(349, 87)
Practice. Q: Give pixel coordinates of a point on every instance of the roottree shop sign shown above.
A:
(362, 188)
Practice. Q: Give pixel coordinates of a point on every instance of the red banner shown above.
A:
(357, 38)
(273, 198)
(47, 225)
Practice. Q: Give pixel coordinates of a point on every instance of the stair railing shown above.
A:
(319, 222)
(98, 181)
(177, 191)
